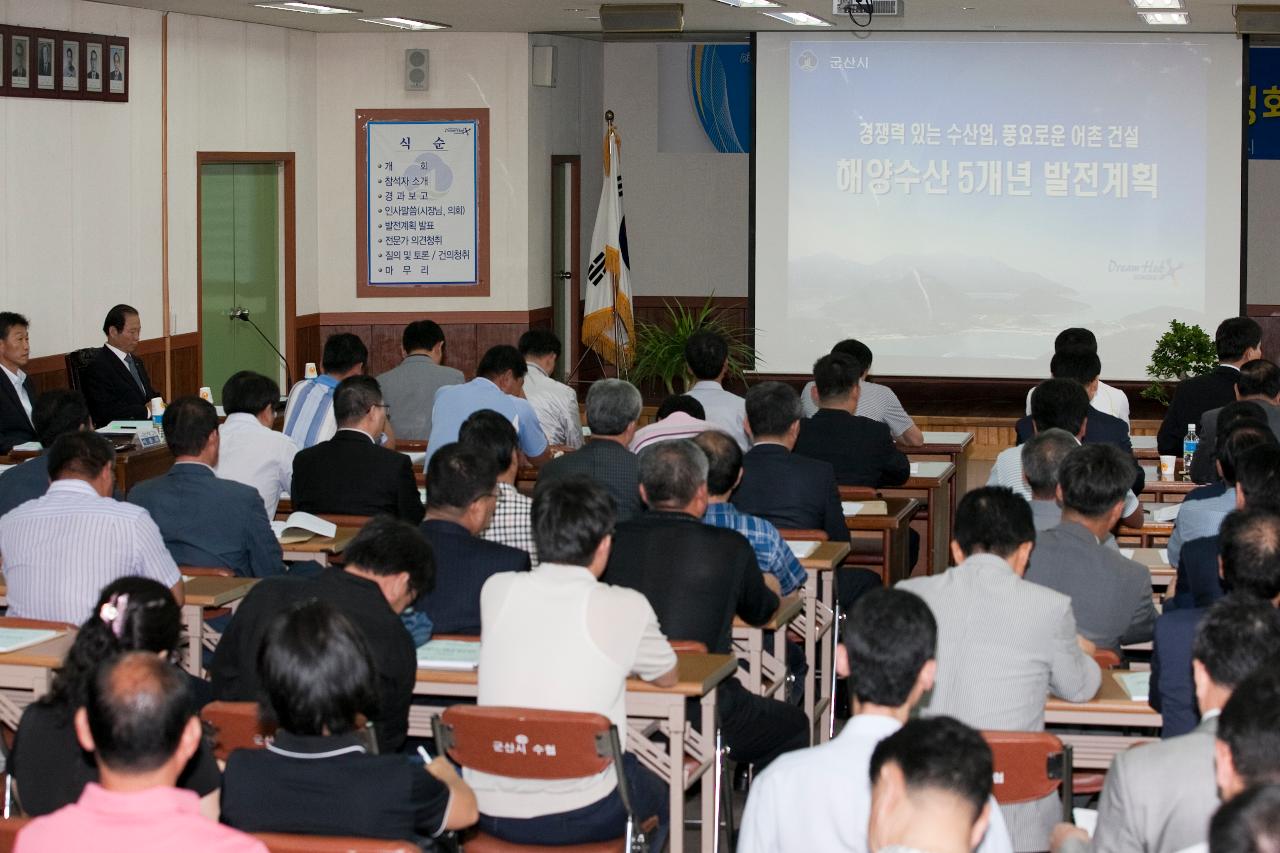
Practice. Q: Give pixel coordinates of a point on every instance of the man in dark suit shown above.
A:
(463, 492)
(613, 412)
(698, 577)
(116, 383)
(860, 450)
(1258, 383)
(56, 413)
(18, 393)
(207, 521)
(350, 474)
(1238, 340)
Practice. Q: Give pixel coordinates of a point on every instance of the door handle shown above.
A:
(565, 275)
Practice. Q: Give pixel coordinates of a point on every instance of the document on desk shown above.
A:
(12, 639)
(1165, 513)
(301, 526)
(449, 654)
(801, 549)
(852, 508)
(1137, 685)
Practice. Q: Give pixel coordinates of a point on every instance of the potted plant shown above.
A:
(659, 352)
(1184, 351)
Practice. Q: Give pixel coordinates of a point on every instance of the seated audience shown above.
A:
(318, 776)
(679, 416)
(56, 413)
(115, 382)
(138, 722)
(697, 578)
(1108, 399)
(1003, 643)
(1258, 479)
(1250, 567)
(47, 762)
(930, 788)
(707, 355)
(410, 387)
(1110, 594)
(1238, 340)
(877, 402)
(308, 416)
(61, 549)
(724, 472)
(460, 502)
(1203, 464)
(1100, 428)
(1042, 457)
(387, 566)
(486, 431)
(1159, 797)
(558, 639)
(1258, 383)
(1249, 823)
(613, 411)
(555, 402)
(351, 474)
(18, 394)
(250, 451)
(859, 449)
(498, 385)
(820, 798)
(206, 521)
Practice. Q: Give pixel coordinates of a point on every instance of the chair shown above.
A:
(534, 745)
(410, 445)
(803, 534)
(688, 647)
(236, 725)
(9, 829)
(1106, 659)
(1029, 766)
(78, 360)
(858, 493)
(278, 842)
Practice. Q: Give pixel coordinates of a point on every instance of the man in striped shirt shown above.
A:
(60, 550)
(308, 416)
(877, 402)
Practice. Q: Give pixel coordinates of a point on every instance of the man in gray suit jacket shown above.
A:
(1003, 645)
(410, 387)
(1158, 798)
(1259, 382)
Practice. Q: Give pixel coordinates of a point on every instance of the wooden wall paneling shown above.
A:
(1270, 334)
(495, 334)
(384, 348)
(460, 347)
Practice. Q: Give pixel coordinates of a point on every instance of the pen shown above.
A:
(426, 756)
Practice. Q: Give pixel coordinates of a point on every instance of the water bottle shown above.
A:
(1190, 442)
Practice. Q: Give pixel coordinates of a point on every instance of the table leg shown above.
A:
(940, 525)
(675, 775)
(710, 787)
(193, 619)
(811, 651)
(826, 712)
(895, 554)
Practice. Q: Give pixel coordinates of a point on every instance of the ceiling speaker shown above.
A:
(415, 70)
(642, 18)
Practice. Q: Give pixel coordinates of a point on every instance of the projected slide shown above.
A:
(955, 203)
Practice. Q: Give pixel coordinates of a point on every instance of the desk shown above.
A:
(131, 468)
(766, 671)
(816, 624)
(893, 527)
(1144, 446)
(934, 485)
(1161, 491)
(1111, 708)
(953, 447)
(207, 592)
(651, 710)
(26, 674)
(1157, 561)
(313, 548)
(1147, 535)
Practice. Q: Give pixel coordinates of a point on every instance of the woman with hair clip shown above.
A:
(48, 765)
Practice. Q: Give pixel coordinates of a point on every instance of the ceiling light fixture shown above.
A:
(1156, 4)
(751, 4)
(406, 24)
(799, 19)
(308, 8)
(1165, 18)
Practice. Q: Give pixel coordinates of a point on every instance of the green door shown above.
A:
(239, 268)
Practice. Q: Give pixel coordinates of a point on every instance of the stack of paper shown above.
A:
(801, 549)
(1165, 513)
(301, 526)
(449, 654)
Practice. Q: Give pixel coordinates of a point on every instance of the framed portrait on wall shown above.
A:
(20, 62)
(4, 66)
(117, 69)
(44, 63)
(93, 66)
(69, 57)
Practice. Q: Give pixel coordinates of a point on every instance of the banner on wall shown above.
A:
(1264, 103)
(705, 95)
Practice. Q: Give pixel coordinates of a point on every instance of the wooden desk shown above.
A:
(816, 624)
(1157, 561)
(893, 527)
(131, 468)
(766, 672)
(26, 674)
(202, 593)
(1144, 446)
(1110, 709)
(1151, 534)
(313, 548)
(953, 447)
(1160, 491)
(687, 756)
(934, 485)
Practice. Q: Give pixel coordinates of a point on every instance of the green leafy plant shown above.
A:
(1184, 351)
(659, 353)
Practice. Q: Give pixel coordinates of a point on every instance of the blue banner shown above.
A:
(1264, 103)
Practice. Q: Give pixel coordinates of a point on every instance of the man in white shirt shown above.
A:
(877, 402)
(17, 394)
(308, 416)
(555, 402)
(558, 639)
(819, 799)
(707, 355)
(251, 451)
(1108, 399)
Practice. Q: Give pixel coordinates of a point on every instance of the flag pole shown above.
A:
(622, 363)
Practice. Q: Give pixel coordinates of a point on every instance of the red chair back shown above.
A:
(1029, 766)
(9, 829)
(688, 647)
(857, 493)
(236, 725)
(1106, 659)
(523, 743)
(803, 534)
(278, 842)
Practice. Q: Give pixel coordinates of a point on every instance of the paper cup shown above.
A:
(1168, 465)
(206, 393)
(310, 371)
(157, 406)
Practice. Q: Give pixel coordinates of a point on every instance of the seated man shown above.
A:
(250, 451)
(498, 385)
(877, 402)
(206, 521)
(1042, 458)
(56, 413)
(1003, 644)
(1101, 428)
(61, 549)
(115, 382)
(410, 387)
(1110, 594)
(1250, 568)
(820, 798)
(464, 490)
(350, 474)
(1159, 797)
(308, 416)
(1238, 340)
(930, 788)
(613, 411)
(18, 393)
(1249, 823)
(679, 416)
(558, 639)
(859, 449)
(138, 723)
(1259, 384)
(707, 355)
(555, 402)
(724, 472)
(486, 431)
(697, 578)
(1109, 400)
(318, 776)
(387, 565)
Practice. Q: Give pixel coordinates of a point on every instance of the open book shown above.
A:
(449, 654)
(301, 526)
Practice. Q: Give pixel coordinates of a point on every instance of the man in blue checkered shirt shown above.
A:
(772, 552)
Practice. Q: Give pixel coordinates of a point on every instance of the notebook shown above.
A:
(12, 639)
(301, 526)
(852, 508)
(449, 654)
(1137, 685)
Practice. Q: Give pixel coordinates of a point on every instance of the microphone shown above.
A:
(238, 313)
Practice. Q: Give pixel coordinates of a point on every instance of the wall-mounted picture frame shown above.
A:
(72, 65)
(19, 62)
(118, 69)
(63, 65)
(45, 69)
(93, 66)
